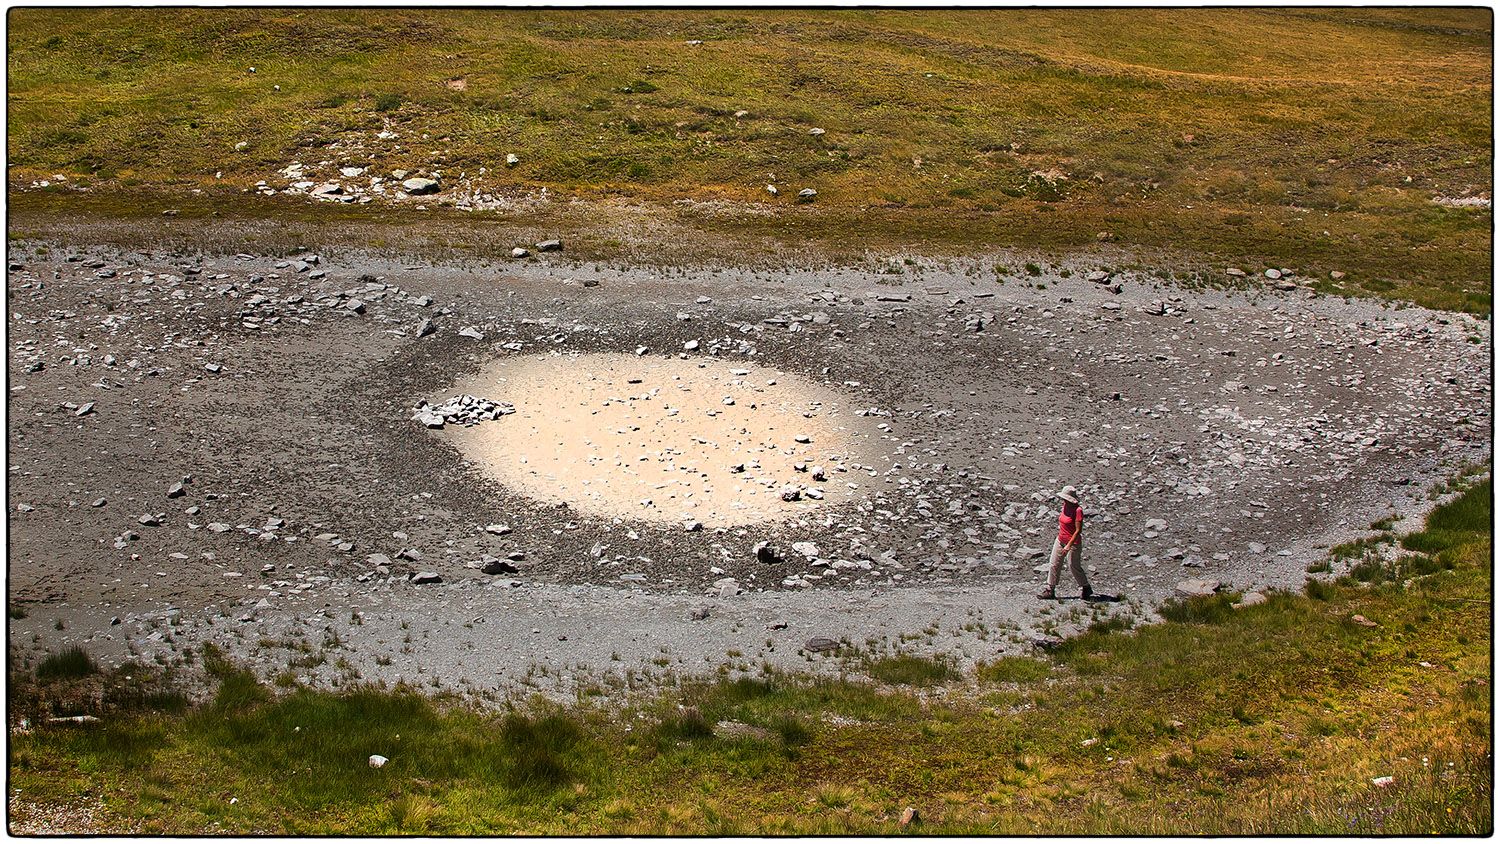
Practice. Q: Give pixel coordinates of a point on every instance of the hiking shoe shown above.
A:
(1047, 594)
(1088, 592)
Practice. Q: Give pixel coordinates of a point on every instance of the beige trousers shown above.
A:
(1074, 557)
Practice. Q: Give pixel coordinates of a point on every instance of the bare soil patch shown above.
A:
(689, 440)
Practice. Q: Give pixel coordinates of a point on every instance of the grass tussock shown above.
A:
(911, 670)
(1280, 718)
(1200, 609)
(1014, 669)
(70, 664)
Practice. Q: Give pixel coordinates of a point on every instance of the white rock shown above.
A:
(1195, 588)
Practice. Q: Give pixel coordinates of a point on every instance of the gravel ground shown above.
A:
(1221, 435)
(85, 815)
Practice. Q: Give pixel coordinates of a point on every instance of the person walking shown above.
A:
(1068, 545)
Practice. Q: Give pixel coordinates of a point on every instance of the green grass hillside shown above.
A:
(1362, 707)
(1317, 139)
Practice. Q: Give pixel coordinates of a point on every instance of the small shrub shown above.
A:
(1014, 669)
(1320, 567)
(1033, 269)
(70, 664)
(387, 102)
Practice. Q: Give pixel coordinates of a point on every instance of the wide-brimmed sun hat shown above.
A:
(1068, 494)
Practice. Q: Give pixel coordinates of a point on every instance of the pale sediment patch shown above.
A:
(690, 440)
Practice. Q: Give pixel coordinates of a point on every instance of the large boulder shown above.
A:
(419, 186)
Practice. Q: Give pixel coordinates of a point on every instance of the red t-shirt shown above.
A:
(1069, 523)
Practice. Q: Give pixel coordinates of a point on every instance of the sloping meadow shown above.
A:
(1348, 140)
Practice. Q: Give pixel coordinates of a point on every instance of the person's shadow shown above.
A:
(1102, 598)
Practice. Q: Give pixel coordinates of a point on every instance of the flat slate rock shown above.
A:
(1196, 588)
(821, 644)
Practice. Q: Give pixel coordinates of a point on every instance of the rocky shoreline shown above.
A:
(222, 448)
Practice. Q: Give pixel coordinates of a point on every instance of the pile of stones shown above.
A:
(463, 410)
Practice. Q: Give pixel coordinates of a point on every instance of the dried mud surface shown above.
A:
(1229, 436)
(690, 440)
